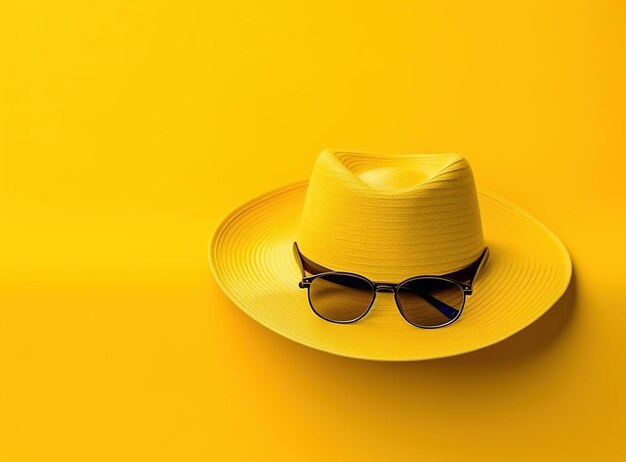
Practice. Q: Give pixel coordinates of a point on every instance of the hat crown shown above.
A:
(390, 217)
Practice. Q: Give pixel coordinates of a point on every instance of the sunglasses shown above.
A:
(427, 302)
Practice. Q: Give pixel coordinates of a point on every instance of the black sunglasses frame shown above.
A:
(466, 274)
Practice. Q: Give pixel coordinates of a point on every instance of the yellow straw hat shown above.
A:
(389, 218)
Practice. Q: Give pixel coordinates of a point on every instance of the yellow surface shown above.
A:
(129, 129)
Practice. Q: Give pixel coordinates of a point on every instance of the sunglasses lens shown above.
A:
(430, 302)
(341, 297)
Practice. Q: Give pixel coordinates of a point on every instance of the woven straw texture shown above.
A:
(528, 270)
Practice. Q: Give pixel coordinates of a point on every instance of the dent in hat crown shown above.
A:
(390, 217)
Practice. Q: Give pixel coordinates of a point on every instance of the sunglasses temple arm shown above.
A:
(442, 307)
(308, 266)
(298, 256)
(483, 259)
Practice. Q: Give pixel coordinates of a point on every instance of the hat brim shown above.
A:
(251, 257)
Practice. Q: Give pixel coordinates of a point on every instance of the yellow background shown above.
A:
(128, 129)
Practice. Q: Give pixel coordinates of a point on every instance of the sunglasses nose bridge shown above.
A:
(385, 288)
